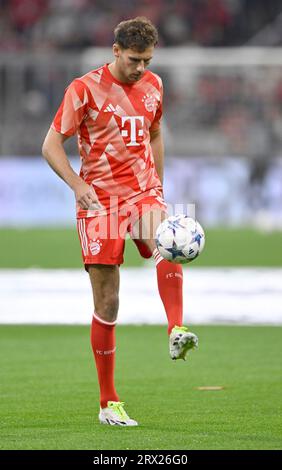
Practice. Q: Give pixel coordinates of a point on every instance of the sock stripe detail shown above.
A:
(157, 256)
(103, 321)
(156, 253)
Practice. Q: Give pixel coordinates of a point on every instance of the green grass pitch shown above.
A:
(49, 396)
(60, 248)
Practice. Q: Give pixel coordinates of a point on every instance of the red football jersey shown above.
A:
(113, 121)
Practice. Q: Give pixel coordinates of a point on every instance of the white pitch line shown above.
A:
(211, 295)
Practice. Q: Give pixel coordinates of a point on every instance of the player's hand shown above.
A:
(85, 196)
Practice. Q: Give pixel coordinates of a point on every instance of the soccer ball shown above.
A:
(180, 239)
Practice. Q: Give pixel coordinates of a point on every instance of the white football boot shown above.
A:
(180, 342)
(115, 415)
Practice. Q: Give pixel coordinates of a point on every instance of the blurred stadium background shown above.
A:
(221, 64)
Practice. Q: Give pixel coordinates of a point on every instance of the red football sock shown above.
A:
(170, 280)
(104, 345)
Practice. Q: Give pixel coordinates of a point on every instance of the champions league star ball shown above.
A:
(180, 239)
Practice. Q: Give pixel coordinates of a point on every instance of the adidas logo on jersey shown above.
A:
(110, 109)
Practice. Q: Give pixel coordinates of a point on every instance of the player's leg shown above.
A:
(170, 285)
(102, 254)
(169, 276)
(105, 286)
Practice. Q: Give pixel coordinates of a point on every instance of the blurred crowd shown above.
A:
(210, 112)
(237, 111)
(229, 112)
(76, 24)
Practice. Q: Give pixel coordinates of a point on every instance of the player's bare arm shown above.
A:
(54, 152)
(156, 141)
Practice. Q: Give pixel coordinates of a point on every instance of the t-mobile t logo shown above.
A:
(133, 129)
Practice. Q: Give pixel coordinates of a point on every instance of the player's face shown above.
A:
(132, 64)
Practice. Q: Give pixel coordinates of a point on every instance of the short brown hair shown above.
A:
(137, 34)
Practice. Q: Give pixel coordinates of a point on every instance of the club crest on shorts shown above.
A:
(95, 247)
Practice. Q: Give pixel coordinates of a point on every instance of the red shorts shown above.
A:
(102, 237)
